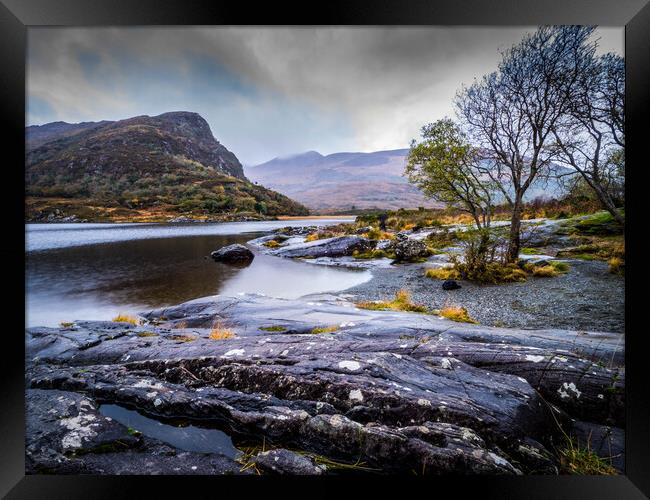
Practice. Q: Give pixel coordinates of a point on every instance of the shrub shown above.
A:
(454, 313)
(125, 318)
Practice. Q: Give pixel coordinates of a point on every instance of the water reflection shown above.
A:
(102, 280)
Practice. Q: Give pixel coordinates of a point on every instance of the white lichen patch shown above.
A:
(236, 352)
(445, 363)
(468, 435)
(424, 402)
(148, 384)
(349, 365)
(157, 402)
(80, 428)
(534, 359)
(356, 395)
(568, 387)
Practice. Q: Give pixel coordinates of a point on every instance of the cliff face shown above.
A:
(171, 159)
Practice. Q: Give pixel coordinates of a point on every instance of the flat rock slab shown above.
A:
(404, 391)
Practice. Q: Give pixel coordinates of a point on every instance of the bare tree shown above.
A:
(591, 137)
(512, 112)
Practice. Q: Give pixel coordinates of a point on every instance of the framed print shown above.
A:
(372, 245)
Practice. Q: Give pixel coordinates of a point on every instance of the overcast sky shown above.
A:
(268, 92)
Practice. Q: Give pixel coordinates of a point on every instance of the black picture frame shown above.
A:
(17, 15)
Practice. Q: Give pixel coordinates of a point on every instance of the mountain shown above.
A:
(342, 181)
(166, 163)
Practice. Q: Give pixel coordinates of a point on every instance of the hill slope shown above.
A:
(166, 163)
(342, 181)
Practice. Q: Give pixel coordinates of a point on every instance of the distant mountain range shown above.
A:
(166, 163)
(344, 181)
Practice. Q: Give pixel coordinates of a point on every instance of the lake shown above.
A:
(96, 271)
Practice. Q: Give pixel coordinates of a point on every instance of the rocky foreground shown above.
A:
(318, 382)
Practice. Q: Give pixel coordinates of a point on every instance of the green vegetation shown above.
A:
(575, 459)
(443, 273)
(326, 329)
(373, 254)
(401, 302)
(147, 334)
(274, 328)
(141, 166)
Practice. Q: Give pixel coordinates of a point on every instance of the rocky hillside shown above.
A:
(170, 162)
(344, 181)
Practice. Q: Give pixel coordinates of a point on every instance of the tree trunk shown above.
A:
(607, 202)
(515, 231)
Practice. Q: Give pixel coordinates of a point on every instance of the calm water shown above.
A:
(185, 437)
(95, 271)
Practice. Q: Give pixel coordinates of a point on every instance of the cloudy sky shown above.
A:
(268, 92)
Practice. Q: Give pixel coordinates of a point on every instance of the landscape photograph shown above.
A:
(331, 251)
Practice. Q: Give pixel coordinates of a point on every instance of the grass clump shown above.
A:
(326, 329)
(219, 333)
(274, 328)
(125, 318)
(373, 254)
(378, 234)
(578, 460)
(401, 302)
(146, 334)
(443, 273)
(183, 338)
(66, 324)
(529, 251)
(545, 271)
(616, 265)
(456, 313)
(272, 244)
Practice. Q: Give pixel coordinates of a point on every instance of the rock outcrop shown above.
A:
(233, 254)
(390, 391)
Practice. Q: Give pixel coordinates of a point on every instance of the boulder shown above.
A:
(409, 250)
(281, 461)
(233, 254)
(450, 285)
(340, 246)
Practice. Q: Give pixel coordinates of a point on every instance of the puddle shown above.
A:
(186, 437)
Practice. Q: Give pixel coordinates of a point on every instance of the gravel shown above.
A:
(587, 298)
